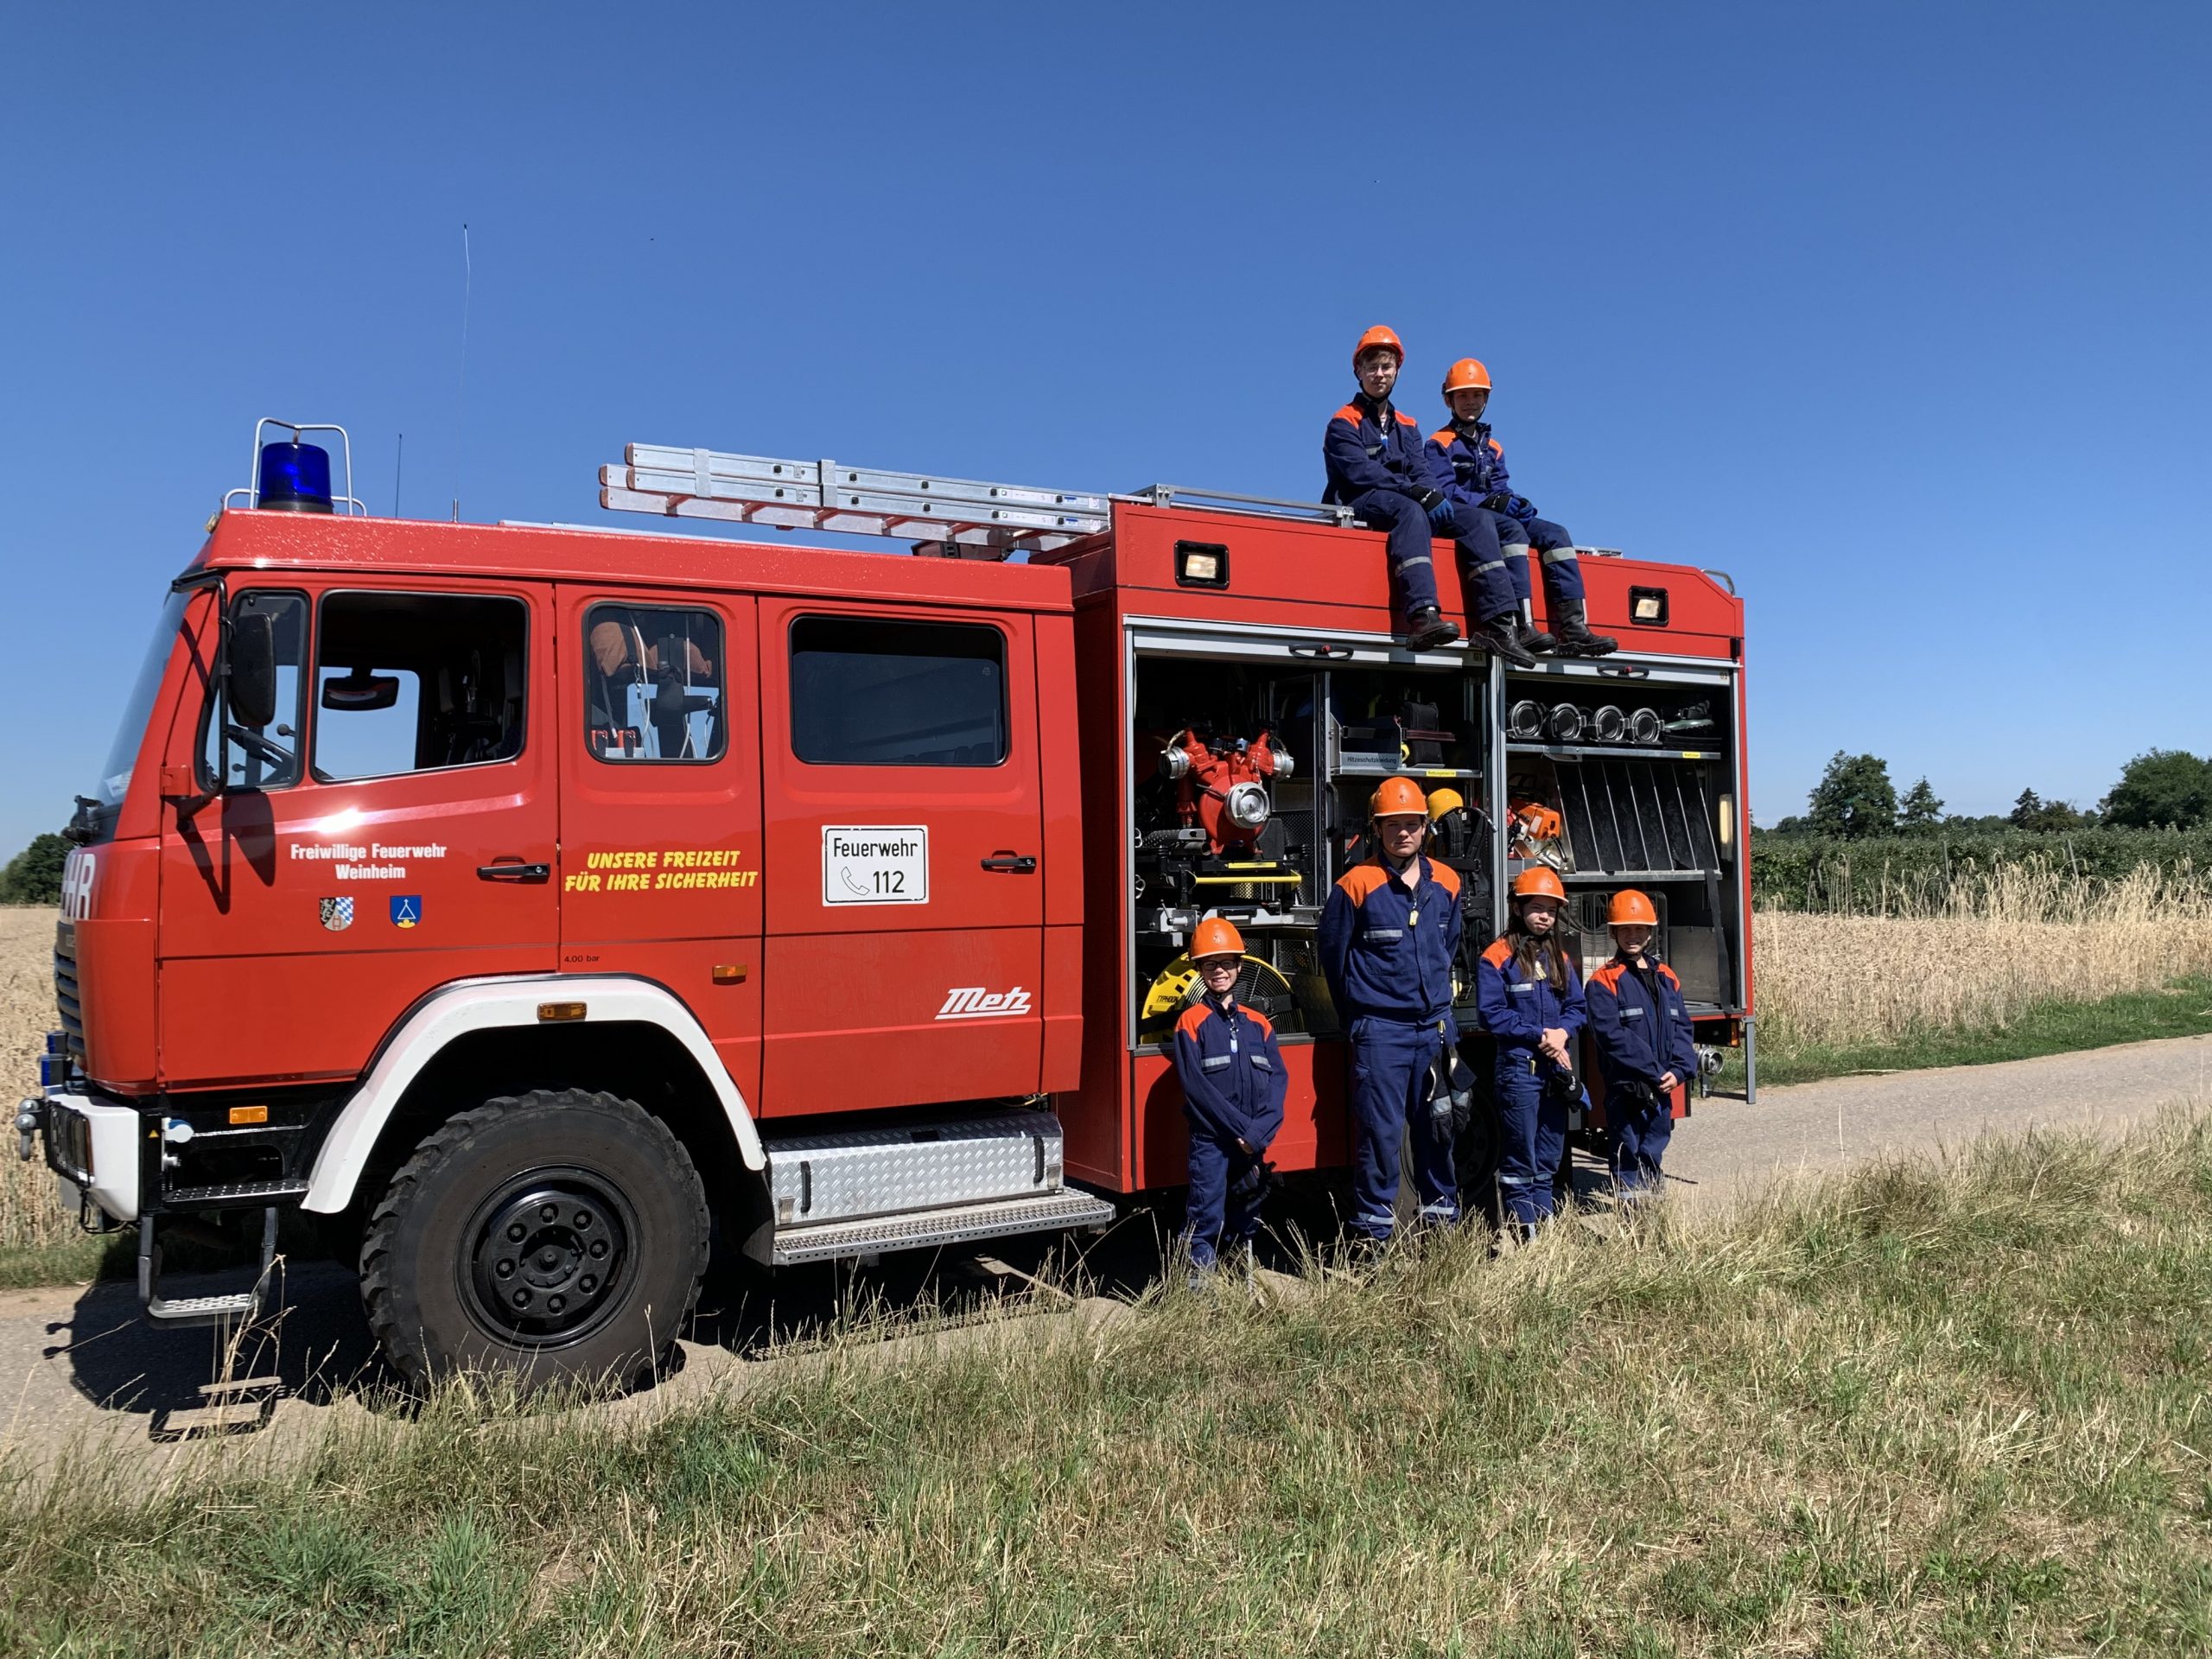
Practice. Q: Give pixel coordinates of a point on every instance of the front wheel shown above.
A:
(549, 1237)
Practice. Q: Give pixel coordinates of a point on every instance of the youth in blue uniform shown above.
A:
(1531, 1001)
(1389, 933)
(1646, 1045)
(1483, 492)
(1233, 1086)
(1378, 466)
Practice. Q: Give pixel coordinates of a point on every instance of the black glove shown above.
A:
(1497, 501)
(1428, 499)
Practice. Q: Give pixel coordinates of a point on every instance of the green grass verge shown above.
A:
(69, 1260)
(2183, 1008)
(1922, 1410)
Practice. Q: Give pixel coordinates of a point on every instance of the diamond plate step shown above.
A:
(200, 1310)
(950, 1225)
(239, 1192)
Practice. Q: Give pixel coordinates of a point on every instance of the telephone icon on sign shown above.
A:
(853, 883)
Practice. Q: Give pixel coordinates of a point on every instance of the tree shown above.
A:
(1853, 798)
(2045, 817)
(1920, 810)
(34, 875)
(2166, 786)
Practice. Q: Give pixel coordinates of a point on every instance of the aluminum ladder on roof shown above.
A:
(854, 500)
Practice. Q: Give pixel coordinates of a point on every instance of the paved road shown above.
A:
(78, 1365)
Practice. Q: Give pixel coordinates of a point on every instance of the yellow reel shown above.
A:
(1176, 987)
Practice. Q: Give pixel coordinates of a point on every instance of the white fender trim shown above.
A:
(483, 1005)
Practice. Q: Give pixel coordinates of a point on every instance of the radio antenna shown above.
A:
(461, 395)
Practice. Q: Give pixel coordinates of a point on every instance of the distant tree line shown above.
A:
(1855, 800)
(34, 875)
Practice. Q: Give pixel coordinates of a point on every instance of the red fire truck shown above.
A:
(548, 906)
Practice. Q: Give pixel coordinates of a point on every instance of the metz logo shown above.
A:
(974, 1003)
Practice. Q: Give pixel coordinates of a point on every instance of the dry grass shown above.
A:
(1932, 1410)
(2025, 936)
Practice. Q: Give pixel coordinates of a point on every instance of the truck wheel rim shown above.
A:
(550, 1256)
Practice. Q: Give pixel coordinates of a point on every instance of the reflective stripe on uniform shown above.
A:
(1559, 556)
(1420, 559)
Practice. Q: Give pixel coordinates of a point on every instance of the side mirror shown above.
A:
(251, 680)
(360, 690)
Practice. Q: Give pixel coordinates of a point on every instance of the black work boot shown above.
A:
(1570, 617)
(1427, 628)
(1534, 639)
(1500, 635)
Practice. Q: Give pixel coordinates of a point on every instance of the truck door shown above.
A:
(390, 830)
(905, 850)
(660, 863)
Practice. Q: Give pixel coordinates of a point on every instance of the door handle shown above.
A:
(516, 871)
(1011, 864)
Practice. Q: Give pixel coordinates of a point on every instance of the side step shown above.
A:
(919, 1229)
(239, 1305)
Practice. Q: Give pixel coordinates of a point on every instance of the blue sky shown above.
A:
(1897, 312)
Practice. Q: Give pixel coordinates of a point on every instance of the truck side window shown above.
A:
(265, 757)
(417, 682)
(653, 684)
(870, 692)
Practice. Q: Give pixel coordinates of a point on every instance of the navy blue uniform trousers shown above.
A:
(1390, 1061)
(1224, 1195)
(1484, 572)
(1641, 1127)
(1533, 1101)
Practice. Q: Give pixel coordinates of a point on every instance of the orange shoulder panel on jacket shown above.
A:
(1497, 449)
(1193, 1017)
(1668, 974)
(1405, 419)
(1266, 1025)
(1444, 877)
(1444, 436)
(1362, 880)
(1610, 976)
(1349, 412)
(1498, 953)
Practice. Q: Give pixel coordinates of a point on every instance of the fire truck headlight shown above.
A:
(1246, 805)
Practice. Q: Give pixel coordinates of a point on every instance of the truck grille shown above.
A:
(64, 989)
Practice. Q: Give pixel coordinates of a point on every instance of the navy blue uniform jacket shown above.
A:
(1639, 1037)
(1518, 1011)
(1231, 1072)
(1370, 446)
(1380, 958)
(1477, 463)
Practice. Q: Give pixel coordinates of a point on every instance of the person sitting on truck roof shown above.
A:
(1233, 1088)
(1646, 1046)
(1531, 998)
(1387, 936)
(1482, 487)
(1379, 468)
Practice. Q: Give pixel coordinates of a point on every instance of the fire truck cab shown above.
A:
(551, 905)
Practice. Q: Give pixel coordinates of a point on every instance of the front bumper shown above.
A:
(93, 1144)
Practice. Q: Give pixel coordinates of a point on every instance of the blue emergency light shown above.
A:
(294, 478)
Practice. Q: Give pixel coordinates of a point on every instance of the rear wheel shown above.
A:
(549, 1237)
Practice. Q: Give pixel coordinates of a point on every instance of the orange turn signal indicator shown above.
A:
(560, 1011)
(729, 973)
(248, 1115)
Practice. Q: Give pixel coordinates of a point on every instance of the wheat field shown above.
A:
(2023, 936)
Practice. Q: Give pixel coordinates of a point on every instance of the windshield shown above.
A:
(123, 753)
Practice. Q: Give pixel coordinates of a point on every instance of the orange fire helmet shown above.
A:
(1378, 335)
(1397, 795)
(1630, 906)
(1215, 937)
(1539, 882)
(1467, 374)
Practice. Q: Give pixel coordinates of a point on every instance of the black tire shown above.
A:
(549, 1238)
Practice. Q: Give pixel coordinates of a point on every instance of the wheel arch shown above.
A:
(637, 1040)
